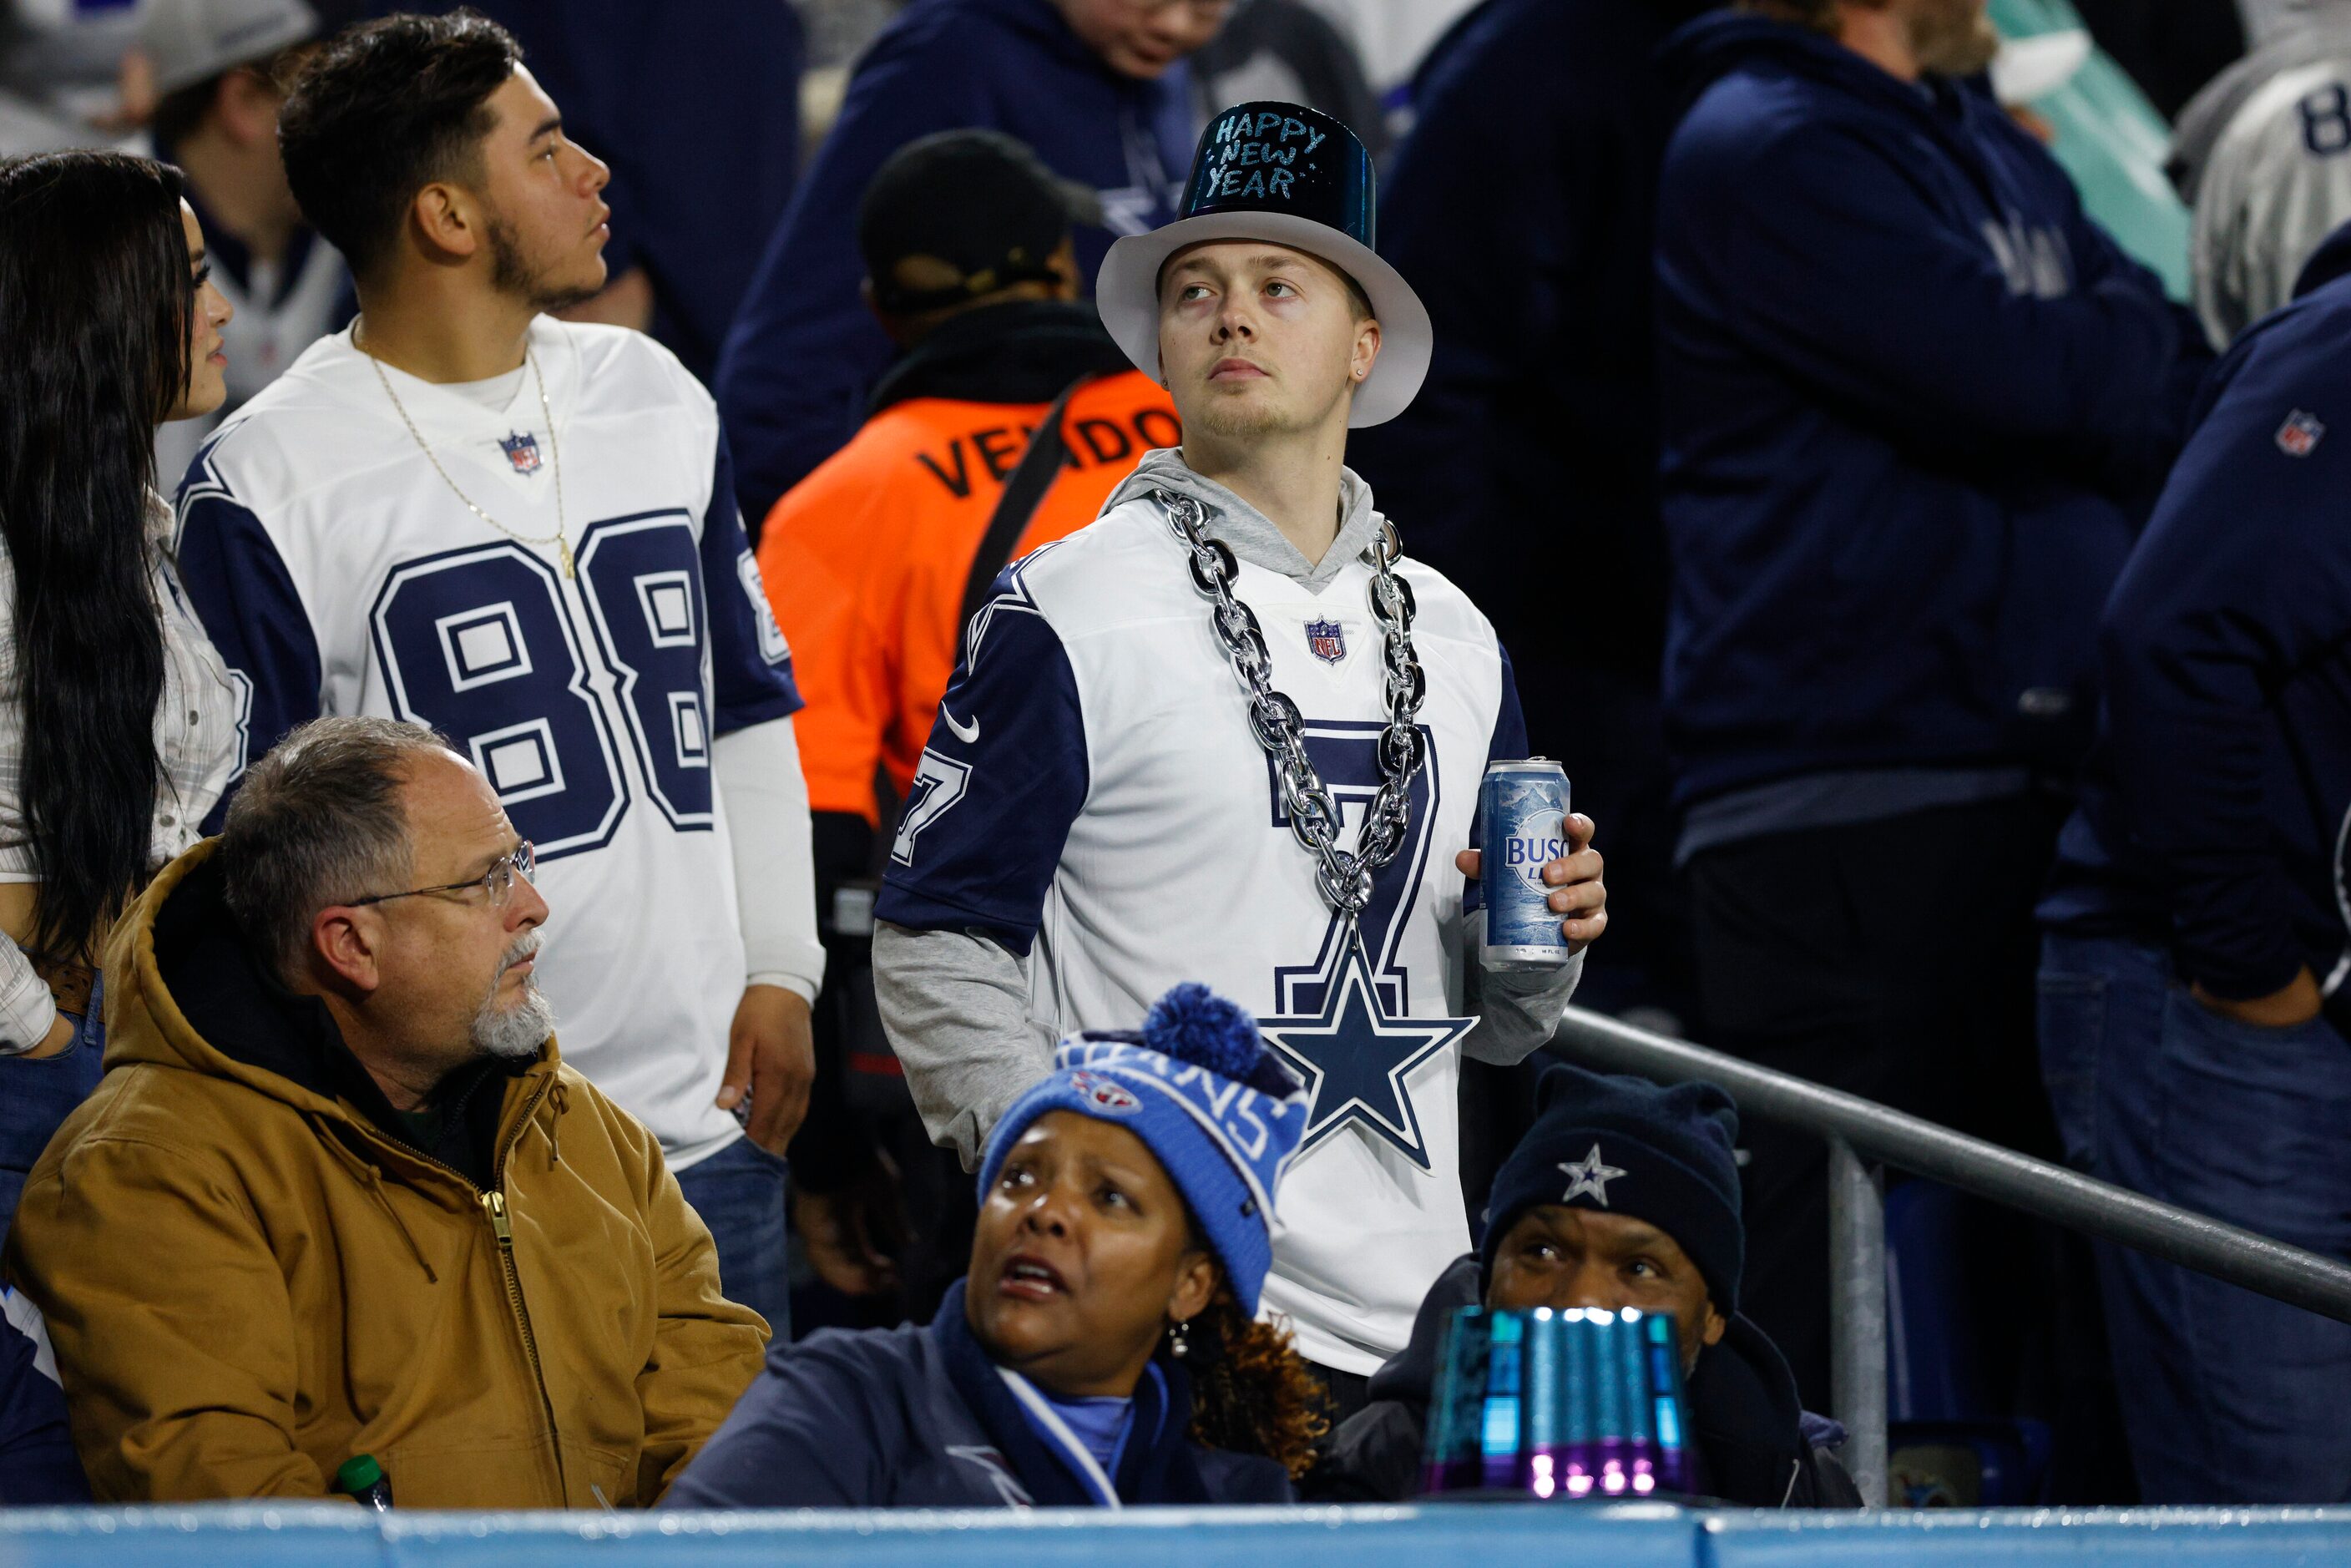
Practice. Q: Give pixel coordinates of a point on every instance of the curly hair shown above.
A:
(1251, 1392)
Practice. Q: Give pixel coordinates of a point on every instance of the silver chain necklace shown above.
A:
(1344, 879)
(554, 449)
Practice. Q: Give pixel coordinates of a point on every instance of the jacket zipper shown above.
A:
(493, 1200)
(493, 1204)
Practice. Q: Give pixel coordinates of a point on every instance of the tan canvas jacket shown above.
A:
(248, 1283)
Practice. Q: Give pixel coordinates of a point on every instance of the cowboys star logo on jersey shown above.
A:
(1354, 1058)
(522, 450)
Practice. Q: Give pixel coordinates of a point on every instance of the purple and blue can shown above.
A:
(1611, 1418)
(1542, 1426)
(1666, 1392)
(1499, 1422)
(1456, 1457)
(1522, 815)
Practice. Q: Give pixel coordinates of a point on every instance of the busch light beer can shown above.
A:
(1522, 813)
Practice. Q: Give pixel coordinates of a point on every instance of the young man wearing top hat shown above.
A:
(1620, 1195)
(1170, 730)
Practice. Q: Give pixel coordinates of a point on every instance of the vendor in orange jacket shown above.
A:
(970, 269)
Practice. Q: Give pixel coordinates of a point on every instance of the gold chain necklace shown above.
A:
(554, 448)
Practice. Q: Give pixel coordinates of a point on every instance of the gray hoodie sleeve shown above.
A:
(1517, 1009)
(955, 1004)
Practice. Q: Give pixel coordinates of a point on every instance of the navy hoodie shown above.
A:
(1913, 400)
(36, 1453)
(2216, 826)
(695, 105)
(804, 351)
(1518, 204)
(920, 1417)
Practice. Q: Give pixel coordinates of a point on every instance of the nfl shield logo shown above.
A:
(1327, 640)
(522, 451)
(2298, 436)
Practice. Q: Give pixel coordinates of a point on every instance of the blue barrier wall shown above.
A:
(1524, 1535)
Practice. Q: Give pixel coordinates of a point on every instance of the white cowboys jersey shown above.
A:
(1094, 795)
(2275, 181)
(338, 573)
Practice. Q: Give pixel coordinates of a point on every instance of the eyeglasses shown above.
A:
(499, 880)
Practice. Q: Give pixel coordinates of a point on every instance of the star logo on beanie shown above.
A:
(1588, 1174)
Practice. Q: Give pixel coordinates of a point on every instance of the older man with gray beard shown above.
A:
(337, 1195)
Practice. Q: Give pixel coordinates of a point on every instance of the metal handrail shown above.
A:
(1860, 1132)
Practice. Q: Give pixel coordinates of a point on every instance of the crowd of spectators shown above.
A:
(1932, 607)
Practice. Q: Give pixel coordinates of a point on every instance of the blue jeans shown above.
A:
(739, 1193)
(2228, 1396)
(36, 1096)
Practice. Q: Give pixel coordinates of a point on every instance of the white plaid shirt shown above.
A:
(197, 725)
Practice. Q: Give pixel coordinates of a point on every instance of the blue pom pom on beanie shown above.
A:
(1192, 1023)
(1196, 1084)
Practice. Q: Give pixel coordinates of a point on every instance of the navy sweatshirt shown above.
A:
(1519, 203)
(2216, 825)
(1913, 400)
(695, 105)
(37, 1465)
(920, 1417)
(804, 351)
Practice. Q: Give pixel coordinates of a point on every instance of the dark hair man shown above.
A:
(222, 68)
(462, 512)
(1112, 801)
(1095, 86)
(337, 1194)
(1620, 1195)
(2195, 1026)
(869, 562)
(1913, 403)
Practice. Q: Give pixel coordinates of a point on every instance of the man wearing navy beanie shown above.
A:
(1620, 1195)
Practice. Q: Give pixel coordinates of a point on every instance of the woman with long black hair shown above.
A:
(118, 722)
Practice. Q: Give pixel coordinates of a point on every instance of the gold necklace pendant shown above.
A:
(560, 539)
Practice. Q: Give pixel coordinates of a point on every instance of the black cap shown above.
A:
(979, 200)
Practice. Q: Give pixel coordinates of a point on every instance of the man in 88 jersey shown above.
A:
(1101, 811)
(2262, 154)
(523, 533)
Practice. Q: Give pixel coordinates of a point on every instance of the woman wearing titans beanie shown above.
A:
(1103, 1350)
(1620, 1195)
